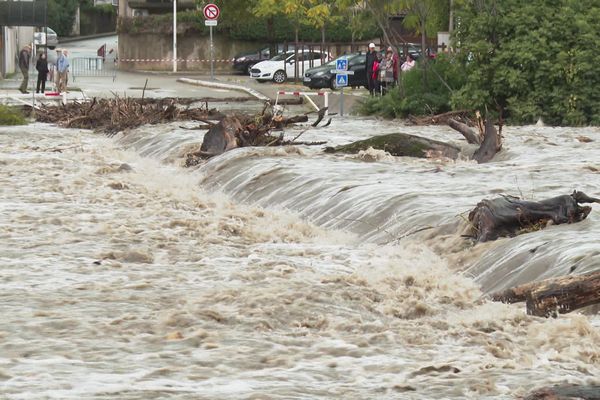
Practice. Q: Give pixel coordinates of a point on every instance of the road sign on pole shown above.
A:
(341, 64)
(211, 13)
(341, 80)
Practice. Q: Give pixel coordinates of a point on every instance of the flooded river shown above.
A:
(282, 273)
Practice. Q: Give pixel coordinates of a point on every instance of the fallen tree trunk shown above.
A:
(401, 144)
(508, 216)
(555, 295)
(469, 134)
(567, 392)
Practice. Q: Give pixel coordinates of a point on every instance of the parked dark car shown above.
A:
(244, 62)
(321, 77)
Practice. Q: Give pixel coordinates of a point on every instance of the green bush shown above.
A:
(531, 59)
(11, 116)
(414, 96)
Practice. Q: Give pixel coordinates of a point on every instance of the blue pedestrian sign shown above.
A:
(341, 80)
(341, 64)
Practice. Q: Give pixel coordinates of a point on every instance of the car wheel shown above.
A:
(333, 84)
(279, 76)
(248, 68)
(51, 47)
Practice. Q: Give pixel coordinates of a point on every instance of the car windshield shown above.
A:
(51, 32)
(349, 57)
(282, 56)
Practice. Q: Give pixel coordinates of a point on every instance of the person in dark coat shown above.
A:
(42, 69)
(24, 57)
(371, 58)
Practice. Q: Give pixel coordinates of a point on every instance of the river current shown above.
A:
(280, 273)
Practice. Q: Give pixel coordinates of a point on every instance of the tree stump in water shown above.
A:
(506, 216)
(567, 392)
(401, 144)
(222, 136)
(555, 295)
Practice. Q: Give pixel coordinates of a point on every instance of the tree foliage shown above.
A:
(527, 60)
(61, 15)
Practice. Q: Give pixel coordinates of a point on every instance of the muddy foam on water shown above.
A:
(125, 276)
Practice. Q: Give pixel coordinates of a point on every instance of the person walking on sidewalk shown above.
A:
(24, 57)
(63, 71)
(42, 69)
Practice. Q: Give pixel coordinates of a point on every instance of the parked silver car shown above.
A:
(51, 37)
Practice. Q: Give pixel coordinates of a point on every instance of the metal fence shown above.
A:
(93, 67)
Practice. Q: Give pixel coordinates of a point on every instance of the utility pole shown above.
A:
(174, 35)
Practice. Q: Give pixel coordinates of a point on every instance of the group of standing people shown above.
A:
(62, 68)
(382, 69)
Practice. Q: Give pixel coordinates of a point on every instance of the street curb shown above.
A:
(219, 85)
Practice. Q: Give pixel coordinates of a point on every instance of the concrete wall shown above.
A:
(159, 46)
(9, 50)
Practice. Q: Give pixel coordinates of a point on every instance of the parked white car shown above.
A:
(282, 66)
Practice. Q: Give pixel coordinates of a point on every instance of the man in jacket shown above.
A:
(371, 57)
(24, 56)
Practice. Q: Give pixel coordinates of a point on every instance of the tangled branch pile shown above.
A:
(117, 114)
(240, 130)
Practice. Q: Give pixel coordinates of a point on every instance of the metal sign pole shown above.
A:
(174, 35)
(342, 102)
(212, 71)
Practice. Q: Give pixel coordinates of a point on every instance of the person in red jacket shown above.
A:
(375, 74)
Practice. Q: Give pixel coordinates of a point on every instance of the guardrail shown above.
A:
(93, 67)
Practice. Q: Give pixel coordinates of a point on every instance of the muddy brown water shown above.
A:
(281, 273)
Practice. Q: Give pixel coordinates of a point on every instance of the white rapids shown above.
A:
(281, 273)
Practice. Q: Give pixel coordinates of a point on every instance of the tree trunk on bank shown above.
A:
(424, 57)
(401, 144)
(271, 35)
(556, 295)
(322, 45)
(296, 56)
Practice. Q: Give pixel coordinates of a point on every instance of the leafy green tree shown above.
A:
(526, 60)
(61, 15)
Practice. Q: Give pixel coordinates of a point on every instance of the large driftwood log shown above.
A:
(506, 216)
(401, 144)
(567, 392)
(555, 295)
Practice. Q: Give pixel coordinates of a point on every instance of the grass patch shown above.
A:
(11, 116)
